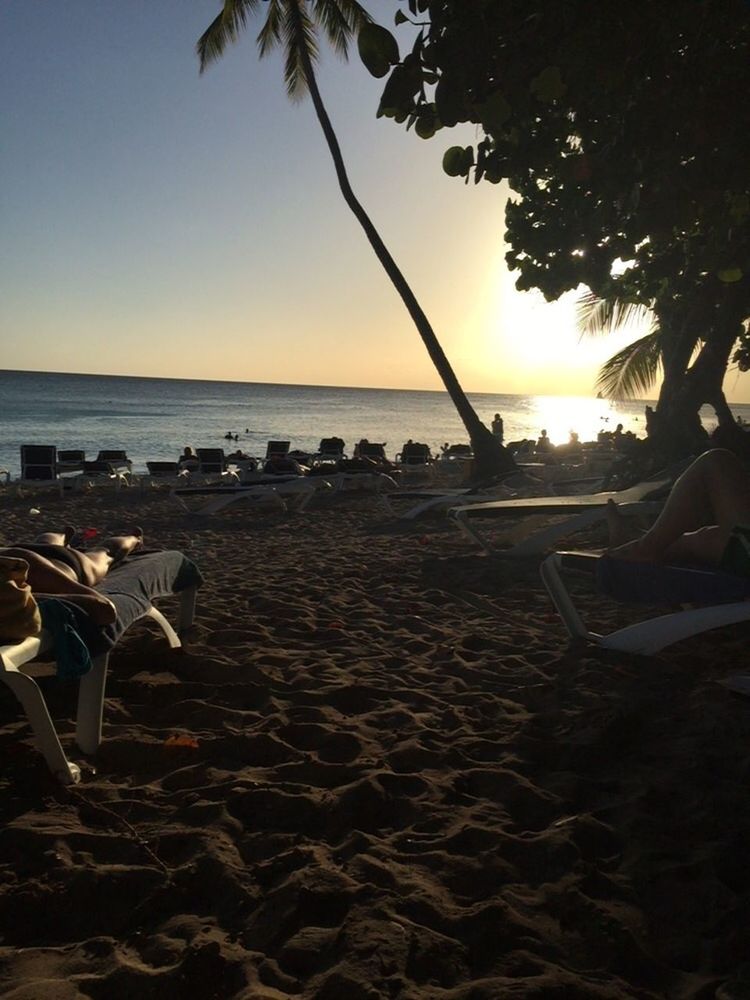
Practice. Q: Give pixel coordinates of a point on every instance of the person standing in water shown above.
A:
(497, 427)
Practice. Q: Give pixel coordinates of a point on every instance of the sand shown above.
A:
(376, 771)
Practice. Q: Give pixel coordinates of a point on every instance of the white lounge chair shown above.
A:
(161, 473)
(719, 594)
(132, 587)
(213, 465)
(579, 512)
(273, 491)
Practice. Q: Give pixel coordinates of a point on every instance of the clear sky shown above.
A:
(155, 222)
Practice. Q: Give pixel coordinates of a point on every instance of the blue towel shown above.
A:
(60, 619)
(652, 583)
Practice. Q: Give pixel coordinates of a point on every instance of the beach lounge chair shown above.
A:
(371, 449)
(415, 461)
(70, 460)
(39, 467)
(98, 471)
(578, 511)
(213, 464)
(117, 458)
(277, 449)
(330, 450)
(271, 491)
(718, 598)
(132, 587)
(445, 498)
(164, 473)
(414, 453)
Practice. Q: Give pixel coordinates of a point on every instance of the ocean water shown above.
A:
(154, 418)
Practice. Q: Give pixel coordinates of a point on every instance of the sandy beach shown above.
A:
(393, 781)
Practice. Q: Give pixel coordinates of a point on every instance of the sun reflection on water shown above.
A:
(559, 415)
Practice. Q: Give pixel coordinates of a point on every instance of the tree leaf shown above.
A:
(427, 124)
(729, 275)
(378, 49)
(453, 160)
(495, 112)
(548, 86)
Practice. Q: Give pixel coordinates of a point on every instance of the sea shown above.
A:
(155, 418)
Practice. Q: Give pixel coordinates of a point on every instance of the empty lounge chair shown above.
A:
(39, 467)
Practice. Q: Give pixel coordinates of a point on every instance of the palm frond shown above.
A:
(224, 29)
(631, 372)
(299, 37)
(596, 316)
(339, 19)
(270, 34)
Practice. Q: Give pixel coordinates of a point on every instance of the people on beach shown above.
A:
(705, 520)
(543, 444)
(497, 427)
(57, 569)
(188, 460)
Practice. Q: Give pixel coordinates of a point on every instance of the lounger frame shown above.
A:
(18, 668)
(645, 637)
(577, 516)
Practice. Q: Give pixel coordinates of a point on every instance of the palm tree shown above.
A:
(294, 24)
(634, 370)
(692, 365)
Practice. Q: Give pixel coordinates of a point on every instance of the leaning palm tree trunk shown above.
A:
(490, 456)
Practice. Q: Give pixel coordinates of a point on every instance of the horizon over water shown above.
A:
(155, 417)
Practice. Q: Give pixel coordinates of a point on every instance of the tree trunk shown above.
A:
(490, 456)
(677, 430)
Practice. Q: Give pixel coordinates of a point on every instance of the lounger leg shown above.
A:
(172, 638)
(552, 580)
(470, 533)
(186, 614)
(28, 693)
(91, 705)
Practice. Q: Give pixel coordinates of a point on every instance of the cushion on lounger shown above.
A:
(651, 583)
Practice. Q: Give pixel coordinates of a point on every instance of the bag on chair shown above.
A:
(19, 612)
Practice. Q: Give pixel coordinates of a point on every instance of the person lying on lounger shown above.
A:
(56, 569)
(705, 520)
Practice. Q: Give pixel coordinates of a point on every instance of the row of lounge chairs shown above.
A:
(721, 598)
(45, 465)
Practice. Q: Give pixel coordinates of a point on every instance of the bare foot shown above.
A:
(622, 529)
(123, 544)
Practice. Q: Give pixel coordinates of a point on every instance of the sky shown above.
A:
(158, 222)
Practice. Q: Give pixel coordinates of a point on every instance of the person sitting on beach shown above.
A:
(543, 445)
(705, 520)
(189, 460)
(56, 569)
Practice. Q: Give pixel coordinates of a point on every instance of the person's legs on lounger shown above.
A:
(707, 503)
(57, 570)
